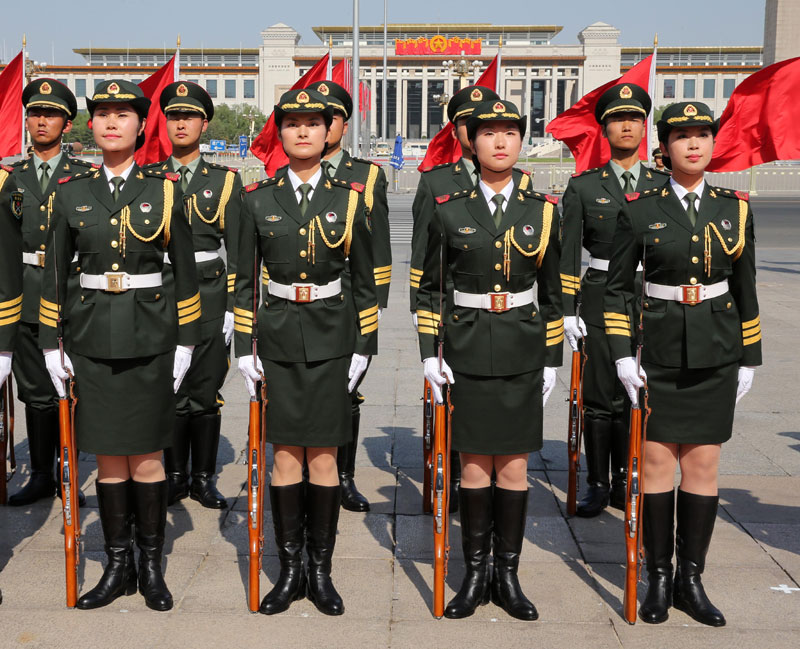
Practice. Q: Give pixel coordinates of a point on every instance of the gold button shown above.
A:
(81, 298)
(272, 234)
(302, 231)
(600, 216)
(303, 253)
(728, 305)
(497, 266)
(303, 275)
(533, 314)
(114, 222)
(114, 266)
(646, 305)
(455, 317)
(341, 298)
(729, 239)
(530, 245)
(693, 280)
(80, 224)
(656, 240)
(497, 244)
(77, 269)
(497, 288)
(114, 244)
(41, 247)
(466, 247)
(147, 221)
(158, 296)
(41, 227)
(333, 233)
(695, 238)
(695, 260)
(217, 273)
(42, 208)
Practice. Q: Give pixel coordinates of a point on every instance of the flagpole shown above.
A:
(355, 119)
(499, 82)
(651, 83)
(385, 76)
(24, 79)
(329, 71)
(177, 70)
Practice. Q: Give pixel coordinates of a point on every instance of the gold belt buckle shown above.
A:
(114, 283)
(691, 294)
(499, 302)
(39, 259)
(302, 293)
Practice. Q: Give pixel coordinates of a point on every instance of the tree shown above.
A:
(657, 112)
(232, 121)
(81, 132)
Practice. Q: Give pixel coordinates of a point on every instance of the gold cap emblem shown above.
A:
(182, 90)
(625, 92)
(476, 95)
(323, 89)
(302, 97)
(45, 88)
(690, 110)
(498, 107)
(113, 88)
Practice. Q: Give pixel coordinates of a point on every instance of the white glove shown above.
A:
(626, 372)
(574, 330)
(58, 373)
(380, 313)
(414, 318)
(746, 375)
(227, 327)
(358, 365)
(436, 378)
(5, 366)
(548, 384)
(183, 359)
(251, 372)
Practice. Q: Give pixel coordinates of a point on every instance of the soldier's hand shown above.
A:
(252, 372)
(414, 319)
(630, 378)
(746, 375)
(574, 330)
(5, 366)
(227, 327)
(58, 372)
(437, 378)
(358, 365)
(183, 359)
(548, 383)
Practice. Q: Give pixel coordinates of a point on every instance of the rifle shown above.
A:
(441, 470)
(575, 424)
(427, 447)
(6, 437)
(634, 554)
(256, 443)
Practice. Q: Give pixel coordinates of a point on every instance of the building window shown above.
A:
(391, 108)
(727, 87)
(414, 110)
(669, 88)
(80, 87)
(211, 88)
(709, 88)
(538, 94)
(230, 88)
(689, 89)
(436, 113)
(249, 88)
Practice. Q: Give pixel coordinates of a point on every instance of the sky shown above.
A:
(54, 28)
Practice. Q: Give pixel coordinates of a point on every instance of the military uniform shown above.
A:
(10, 265)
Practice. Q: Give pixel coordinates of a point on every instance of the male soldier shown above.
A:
(339, 164)
(658, 160)
(591, 204)
(10, 270)
(50, 108)
(212, 198)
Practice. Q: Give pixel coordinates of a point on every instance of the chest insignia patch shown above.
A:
(207, 193)
(83, 208)
(145, 207)
(528, 230)
(726, 224)
(16, 204)
(274, 218)
(657, 226)
(602, 200)
(466, 230)
(331, 217)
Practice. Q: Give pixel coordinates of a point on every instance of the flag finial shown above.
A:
(24, 40)
(179, 40)
(655, 40)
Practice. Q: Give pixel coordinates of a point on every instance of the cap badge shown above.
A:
(726, 224)
(182, 90)
(323, 89)
(690, 110)
(625, 92)
(207, 193)
(145, 207)
(498, 107)
(274, 218)
(331, 217)
(476, 95)
(528, 230)
(113, 88)
(45, 88)
(302, 97)
(466, 230)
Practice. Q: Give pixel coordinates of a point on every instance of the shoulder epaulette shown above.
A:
(161, 172)
(435, 167)
(444, 198)
(647, 193)
(365, 161)
(730, 193)
(171, 175)
(587, 172)
(261, 183)
(359, 187)
(215, 165)
(156, 165)
(82, 174)
(6, 168)
(84, 163)
(19, 162)
(633, 197)
(663, 172)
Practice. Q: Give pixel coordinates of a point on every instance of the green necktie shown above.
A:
(498, 199)
(327, 168)
(691, 210)
(184, 172)
(118, 182)
(45, 178)
(305, 188)
(627, 188)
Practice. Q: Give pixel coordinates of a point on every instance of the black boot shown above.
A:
(176, 461)
(597, 444)
(657, 517)
(116, 517)
(695, 517)
(510, 508)
(476, 542)
(288, 517)
(455, 480)
(619, 463)
(322, 516)
(205, 442)
(352, 499)
(150, 509)
(42, 428)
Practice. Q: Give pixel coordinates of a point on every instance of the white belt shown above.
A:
(602, 264)
(33, 258)
(494, 302)
(304, 292)
(199, 257)
(686, 293)
(120, 282)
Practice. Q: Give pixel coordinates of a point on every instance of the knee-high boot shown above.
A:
(657, 519)
(352, 499)
(42, 428)
(150, 514)
(597, 445)
(205, 430)
(620, 431)
(322, 517)
(176, 461)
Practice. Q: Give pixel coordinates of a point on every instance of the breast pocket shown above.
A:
(84, 233)
(274, 243)
(661, 251)
(601, 224)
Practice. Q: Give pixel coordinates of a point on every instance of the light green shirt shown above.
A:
(52, 162)
(635, 170)
(470, 167)
(335, 161)
(192, 167)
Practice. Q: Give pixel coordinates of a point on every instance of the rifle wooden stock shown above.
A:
(427, 448)
(441, 499)
(255, 495)
(575, 427)
(69, 492)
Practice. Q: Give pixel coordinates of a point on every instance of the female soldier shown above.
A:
(702, 338)
(493, 243)
(303, 227)
(122, 333)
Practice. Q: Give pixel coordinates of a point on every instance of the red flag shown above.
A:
(760, 122)
(267, 146)
(341, 74)
(444, 147)
(579, 130)
(156, 141)
(11, 108)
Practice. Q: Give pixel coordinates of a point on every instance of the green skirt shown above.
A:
(308, 403)
(125, 406)
(691, 406)
(497, 415)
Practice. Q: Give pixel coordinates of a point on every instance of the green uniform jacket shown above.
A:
(480, 342)
(214, 197)
(590, 209)
(720, 246)
(10, 263)
(373, 178)
(37, 208)
(129, 236)
(310, 249)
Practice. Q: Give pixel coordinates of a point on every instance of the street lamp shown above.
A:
(461, 68)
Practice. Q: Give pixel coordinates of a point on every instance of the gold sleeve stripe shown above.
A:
(9, 303)
(189, 311)
(243, 329)
(241, 318)
(568, 291)
(554, 341)
(570, 278)
(416, 271)
(367, 312)
(426, 330)
(242, 312)
(428, 314)
(614, 331)
(556, 323)
(751, 330)
(616, 316)
(189, 318)
(11, 319)
(381, 269)
(48, 313)
(383, 274)
(50, 305)
(745, 325)
(751, 339)
(428, 322)
(369, 320)
(47, 321)
(231, 289)
(368, 329)
(414, 284)
(231, 276)
(5, 313)
(383, 282)
(189, 302)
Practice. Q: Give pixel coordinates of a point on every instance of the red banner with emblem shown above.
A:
(437, 46)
